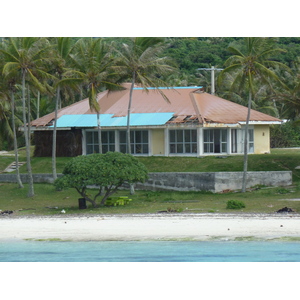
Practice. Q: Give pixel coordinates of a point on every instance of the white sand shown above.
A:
(151, 227)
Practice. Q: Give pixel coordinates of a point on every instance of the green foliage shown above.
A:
(282, 190)
(193, 53)
(235, 204)
(107, 171)
(285, 135)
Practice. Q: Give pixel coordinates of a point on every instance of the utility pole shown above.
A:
(212, 69)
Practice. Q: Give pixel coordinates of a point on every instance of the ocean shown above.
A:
(149, 251)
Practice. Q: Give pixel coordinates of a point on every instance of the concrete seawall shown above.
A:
(189, 181)
(214, 181)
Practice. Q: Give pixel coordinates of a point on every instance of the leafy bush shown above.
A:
(285, 135)
(281, 190)
(235, 204)
(107, 172)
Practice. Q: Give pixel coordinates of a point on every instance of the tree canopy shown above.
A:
(107, 171)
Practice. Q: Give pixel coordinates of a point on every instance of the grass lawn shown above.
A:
(278, 160)
(48, 201)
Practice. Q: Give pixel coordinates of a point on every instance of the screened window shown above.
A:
(139, 141)
(251, 140)
(183, 141)
(237, 140)
(215, 141)
(92, 144)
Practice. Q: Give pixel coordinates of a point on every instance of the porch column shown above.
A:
(167, 151)
(83, 140)
(229, 145)
(200, 140)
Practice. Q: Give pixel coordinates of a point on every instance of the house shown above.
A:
(192, 123)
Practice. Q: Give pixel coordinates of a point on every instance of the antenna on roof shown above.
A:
(212, 69)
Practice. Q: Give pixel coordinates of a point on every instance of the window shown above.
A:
(215, 140)
(138, 139)
(250, 140)
(234, 146)
(92, 144)
(183, 141)
(237, 140)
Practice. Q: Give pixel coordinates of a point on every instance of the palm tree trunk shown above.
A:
(246, 145)
(19, 181)
(99, 133)
(128, 125)
(81, 92)
(128, 114)
(26, 134)
(54, 174)
(38, 105)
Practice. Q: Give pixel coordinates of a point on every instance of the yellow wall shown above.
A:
(261, 139)
(158, 142)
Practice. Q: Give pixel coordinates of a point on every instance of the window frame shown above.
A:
(136, 142)
(238, 134)
(182, 139)
(209, 141)
(110, 144)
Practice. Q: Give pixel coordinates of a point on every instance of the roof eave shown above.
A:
(261, 122)
(46, 128)
(209, 125)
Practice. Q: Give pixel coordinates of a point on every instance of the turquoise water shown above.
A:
(150, 251)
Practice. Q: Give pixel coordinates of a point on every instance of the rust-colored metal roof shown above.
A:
(189, 104)
(149, 102)
(213, 109)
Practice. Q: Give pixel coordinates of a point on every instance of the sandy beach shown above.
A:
(152, 227)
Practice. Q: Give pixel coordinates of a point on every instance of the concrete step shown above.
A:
(13, 166)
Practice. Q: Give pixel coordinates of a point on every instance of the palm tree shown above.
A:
(59, 68)
(140, 62)
(248, 67)
(25, 58)
(286, 100)
(7, 94)
(93, 59)
(7, 100)
(182, 79)
(6, 132)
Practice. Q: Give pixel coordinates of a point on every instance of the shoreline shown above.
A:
(152, 227)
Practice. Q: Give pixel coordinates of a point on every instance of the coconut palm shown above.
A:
(7, 95)
(286, 100)
(140, 62)
(92, 58)
(6, 132)
(247, 67)
(25, 58)
(59, 67)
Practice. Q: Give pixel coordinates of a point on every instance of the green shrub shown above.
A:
(152, 194)
(281, 190)
(107, 172)
(234, 204)
(285, 135)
